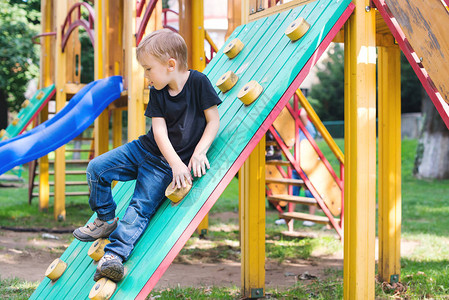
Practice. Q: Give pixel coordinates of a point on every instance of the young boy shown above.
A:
(185, 120)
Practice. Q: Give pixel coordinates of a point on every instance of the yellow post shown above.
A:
(360, 152)
(61, 97)
(134, 75)
(117, 128)
(252, 223)
(198, 36)
(252, 213)
(192, 29)
(45, 80)
(389, 163)
(101, 129)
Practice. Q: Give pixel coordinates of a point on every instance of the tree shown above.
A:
(432, 154)
(411, 91)
(329, 92)
(18, 55)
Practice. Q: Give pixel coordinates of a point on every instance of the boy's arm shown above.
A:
(199, 162)
(180, 171)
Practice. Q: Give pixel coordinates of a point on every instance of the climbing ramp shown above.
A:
(30, 110)
(279, 66)
(420, 29)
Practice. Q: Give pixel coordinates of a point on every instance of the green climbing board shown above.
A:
(29, 110)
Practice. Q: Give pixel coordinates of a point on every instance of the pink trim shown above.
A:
(38, 111)
(244, 155)
(395, 28)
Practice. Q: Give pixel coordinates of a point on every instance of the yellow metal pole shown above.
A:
(45, 80)
(101, 128)
(61, 97)
(252, 213)
(134, 75)
(117, 125)
(389, 163)
(252, 223)
(198, 35)
(360, 152)
(197, 59)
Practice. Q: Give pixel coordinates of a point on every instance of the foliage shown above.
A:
(330, 90)
(411, 91)
(18, 55)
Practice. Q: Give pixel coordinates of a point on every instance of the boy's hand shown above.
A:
(181, 175)
(198, 163)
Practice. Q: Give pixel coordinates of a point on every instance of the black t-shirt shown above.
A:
(183, 114)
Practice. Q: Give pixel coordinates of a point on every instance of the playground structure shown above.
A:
(363, 31)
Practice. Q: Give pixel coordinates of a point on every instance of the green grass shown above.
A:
(425, 225)
(15, 289)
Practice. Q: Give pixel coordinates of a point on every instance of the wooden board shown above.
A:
(285, 126)
(320, 177)
(425, 25)
(276, 188)
(276, 63)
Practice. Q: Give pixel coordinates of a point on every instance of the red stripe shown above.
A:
(435, 96)
(244, 155)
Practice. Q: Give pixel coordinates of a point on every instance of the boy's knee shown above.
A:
(92, 169)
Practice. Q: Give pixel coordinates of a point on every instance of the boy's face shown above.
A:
(157, 72)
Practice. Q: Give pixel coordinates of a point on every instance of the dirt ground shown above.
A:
(27, 256)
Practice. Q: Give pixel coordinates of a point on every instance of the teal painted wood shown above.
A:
(273, 60)
(70, 255)
(26, 114)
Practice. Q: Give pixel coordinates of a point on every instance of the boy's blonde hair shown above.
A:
(164, 44)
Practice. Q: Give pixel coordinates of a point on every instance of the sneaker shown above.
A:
(280, 222)
(97, 275)
(97, 229)
(308, 223)
(110, 266)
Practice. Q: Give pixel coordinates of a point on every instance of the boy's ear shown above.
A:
(171, 64)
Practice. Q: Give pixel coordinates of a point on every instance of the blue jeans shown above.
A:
(296, 189)
(128, 162)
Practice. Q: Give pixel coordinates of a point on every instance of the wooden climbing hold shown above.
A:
(233, 48)
(96, 250)
(227, 81)
(26, 103)
(15, 121)
(297, 29)
(56, 269)
(103, 289)
(40, 95)
(175, 195)
(250, 92)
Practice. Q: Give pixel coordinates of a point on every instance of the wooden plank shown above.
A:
(305, 217)
(285, 181)
(293, 199)
(285, 126)
(424, 23)
(320, 177)
(275, 187)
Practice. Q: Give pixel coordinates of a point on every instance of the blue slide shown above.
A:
(71, 121)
